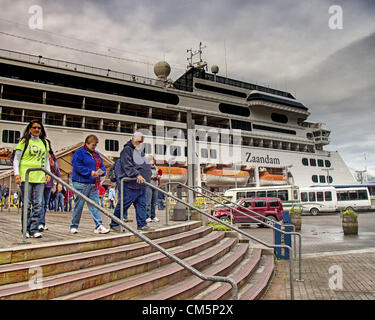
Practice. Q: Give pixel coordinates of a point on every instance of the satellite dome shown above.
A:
(215, 69)
(162, 69)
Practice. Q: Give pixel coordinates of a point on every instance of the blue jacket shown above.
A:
(132, 164)
(83, 163)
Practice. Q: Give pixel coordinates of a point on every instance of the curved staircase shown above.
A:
(121, 266)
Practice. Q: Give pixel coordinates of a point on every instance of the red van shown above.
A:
(271, 208)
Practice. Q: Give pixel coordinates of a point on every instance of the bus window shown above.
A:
(260, 204)
(304, 197)
(241, 195)
(312, 196)
(353, 195)
(328, 196)
(282, 195)
(272, 194)
(250, 195)
(362, 195)
(295, 194)
(342, 196)
(261, 194)
(319, 196)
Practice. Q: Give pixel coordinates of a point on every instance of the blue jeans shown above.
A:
(160, 204)
(59, 202)
(152, 196)
(137, 197)
(35, 196)
(45, 201)
(89, 191)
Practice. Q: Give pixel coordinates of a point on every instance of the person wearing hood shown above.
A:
(134, 164)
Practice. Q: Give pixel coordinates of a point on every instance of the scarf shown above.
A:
(98, 163)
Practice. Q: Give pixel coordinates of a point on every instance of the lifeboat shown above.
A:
(268, 179)
(214, 177)
(177, 174)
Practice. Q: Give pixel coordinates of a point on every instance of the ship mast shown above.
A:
(199, 64)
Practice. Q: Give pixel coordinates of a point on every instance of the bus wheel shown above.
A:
(314, 211)
(225, 218)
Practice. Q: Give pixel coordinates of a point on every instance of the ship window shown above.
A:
(233, 109)
(319, 196)
(322, 179)
(213, 154)
(315, 178)
(328, 163)
(73, 121)
(175, 151)
(11, 114)
(312, 196)
(305, 161)
(32, 115)
(273, 129)
(243, 125)
(22, 94)
(64, 100)
(147, 148)
(111, 145)
(10, 136)
(204, 153)
(160, 149)
(313, 162)
(92, 123)
(320, 163)
(330, 179)
(110, 125)
(328, 195)
(304, 197)
(54, 119)
(281, 118)
(220, 90)
(100, 105)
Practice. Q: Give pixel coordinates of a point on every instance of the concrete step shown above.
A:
(144, 284)
(258, 284)
(18, 272)
(193, 285)
(35, 251)
(73, 281)
(241, 275)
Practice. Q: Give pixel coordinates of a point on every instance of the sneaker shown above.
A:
(37, 235)
(155, 220)
(40, 228)
(146, 228)
(73, 230)
(127, 220)
(115, 228)
(148, 220)
(101, 230)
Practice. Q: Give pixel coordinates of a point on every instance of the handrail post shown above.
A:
(25, 208)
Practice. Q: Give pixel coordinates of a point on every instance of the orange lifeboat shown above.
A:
(214, 177)
(177, 174)
(268, 179)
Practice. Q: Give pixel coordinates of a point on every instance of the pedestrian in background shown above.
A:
(88, 167)
(32, 152)
(112, 196)
(152, 194)
(101, 195)
(59, 199)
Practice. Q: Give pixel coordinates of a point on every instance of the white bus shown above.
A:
(330, 199)
(288, 194)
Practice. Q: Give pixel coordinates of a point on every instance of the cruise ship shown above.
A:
(233, 132)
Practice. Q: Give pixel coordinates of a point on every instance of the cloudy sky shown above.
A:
(292, 45)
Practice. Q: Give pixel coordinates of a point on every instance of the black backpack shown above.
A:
(112, 173)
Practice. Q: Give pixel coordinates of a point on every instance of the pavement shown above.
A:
(334, 266)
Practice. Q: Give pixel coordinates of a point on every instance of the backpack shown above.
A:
(112, 172)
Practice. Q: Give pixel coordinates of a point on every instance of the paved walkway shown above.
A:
(343, 275)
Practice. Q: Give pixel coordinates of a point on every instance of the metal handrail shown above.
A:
(256, 213)
(233, 228)
(120, 222)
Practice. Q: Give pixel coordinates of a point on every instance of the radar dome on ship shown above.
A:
(215, 69)
(162, 69)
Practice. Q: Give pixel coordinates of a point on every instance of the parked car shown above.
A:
(271, 208)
